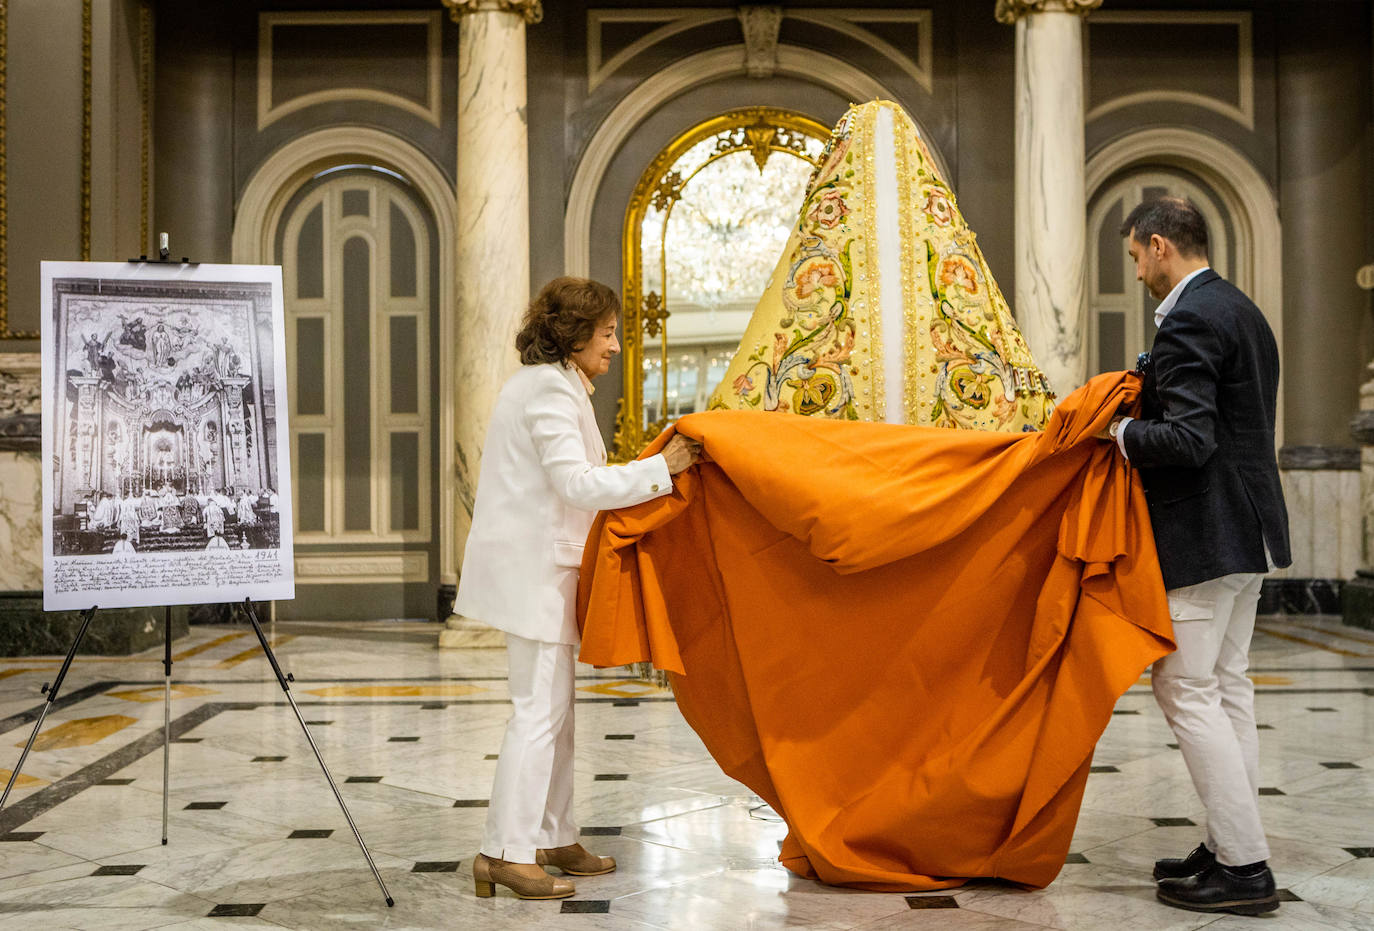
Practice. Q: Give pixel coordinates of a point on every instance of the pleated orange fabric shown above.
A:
(905, 639)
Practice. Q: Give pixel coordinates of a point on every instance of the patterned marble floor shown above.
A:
(410, 733)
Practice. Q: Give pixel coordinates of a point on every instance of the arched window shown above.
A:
(1121, 322)
(703, 231)
(356, 255)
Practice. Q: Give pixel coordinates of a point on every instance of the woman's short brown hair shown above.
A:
(562, 317)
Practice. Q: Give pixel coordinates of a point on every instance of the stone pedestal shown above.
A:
(493, 263)
(1050, 208)
(1357, 594)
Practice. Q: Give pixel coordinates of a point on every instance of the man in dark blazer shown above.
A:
(1204, 447)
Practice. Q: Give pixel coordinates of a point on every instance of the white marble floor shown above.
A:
(409, 732)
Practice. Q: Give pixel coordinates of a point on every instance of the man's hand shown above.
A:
(680, 453)
(1109, 431)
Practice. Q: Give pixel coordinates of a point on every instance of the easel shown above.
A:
(283, 679)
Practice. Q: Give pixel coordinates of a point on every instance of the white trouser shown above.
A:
(531, 799)
(1210, 704)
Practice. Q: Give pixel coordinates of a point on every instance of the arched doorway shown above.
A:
(377, 531)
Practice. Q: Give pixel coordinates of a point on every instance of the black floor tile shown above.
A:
(1103, 769)
(471, 803)
(1125, 711)
(601, 832)
(1173, 822)
(1340, 766)
(21, 835)
(1264, 727)
(931, 901)
(433, 706)
(205, 806)
(318, 723)
(122, 869)
(610, 777)
(492, 756)
(1288, 895)
(268, 759)
(436, 866)
(587, 907)
(363, 779)
(1270, 790)
(402, 740)
(114, 782)
(1321, 709)
(187, 740)
(620, 736)
(1363, 853)
(307, 833)
(1172, 746)
(240, 910)
(628, 703)
(1076, 858)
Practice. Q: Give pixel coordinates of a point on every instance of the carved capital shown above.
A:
(1009, 11)
(761, 25)
(531, 10)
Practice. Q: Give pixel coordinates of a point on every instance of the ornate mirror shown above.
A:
(703, 231)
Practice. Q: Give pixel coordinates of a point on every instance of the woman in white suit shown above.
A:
(543, 478)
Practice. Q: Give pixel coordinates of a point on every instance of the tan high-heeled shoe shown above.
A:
(489, 872)
(575, 860)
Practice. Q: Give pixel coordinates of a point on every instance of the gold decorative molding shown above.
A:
(86, 130)
(429, 111)
(759, 131)
(1009, 11)
(145, 102)
(531, 10)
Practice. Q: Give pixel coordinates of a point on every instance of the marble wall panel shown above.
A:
(21, 525)
(1324, 523)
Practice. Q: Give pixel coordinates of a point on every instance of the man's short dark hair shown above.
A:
(1173, 218)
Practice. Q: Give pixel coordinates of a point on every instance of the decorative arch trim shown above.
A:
(726, 61)
(259, 213)
(1242, 190)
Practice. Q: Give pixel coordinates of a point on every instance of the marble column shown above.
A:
(493, 264)
(1050, 209)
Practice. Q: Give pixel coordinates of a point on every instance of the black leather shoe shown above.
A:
(1191, 865)
(1217, 889)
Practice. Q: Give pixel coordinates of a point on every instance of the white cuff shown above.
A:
(1121, 436)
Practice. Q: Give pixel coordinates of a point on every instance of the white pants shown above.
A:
(532, 797)
(1210, 704)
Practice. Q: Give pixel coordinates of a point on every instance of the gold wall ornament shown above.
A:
(759, 131)
(531, 10)
(1009, 11)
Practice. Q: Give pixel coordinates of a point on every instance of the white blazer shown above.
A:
(543, 478)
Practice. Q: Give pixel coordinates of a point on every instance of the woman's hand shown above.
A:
(680, 453)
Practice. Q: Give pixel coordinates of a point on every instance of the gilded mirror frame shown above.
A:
(760, 131)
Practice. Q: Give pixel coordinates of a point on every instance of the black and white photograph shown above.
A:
(161, 435)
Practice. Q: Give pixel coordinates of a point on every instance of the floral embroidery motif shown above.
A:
(829, 211)
(814, 344)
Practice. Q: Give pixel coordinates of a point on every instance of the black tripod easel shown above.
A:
(283, 679)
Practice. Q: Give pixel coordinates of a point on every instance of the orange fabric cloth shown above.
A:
(905, 639)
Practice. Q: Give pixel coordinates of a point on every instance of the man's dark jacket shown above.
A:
(1204, 444)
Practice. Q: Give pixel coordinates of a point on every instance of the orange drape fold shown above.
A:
(905, 639)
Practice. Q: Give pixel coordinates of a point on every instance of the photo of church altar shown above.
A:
(164, 438)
